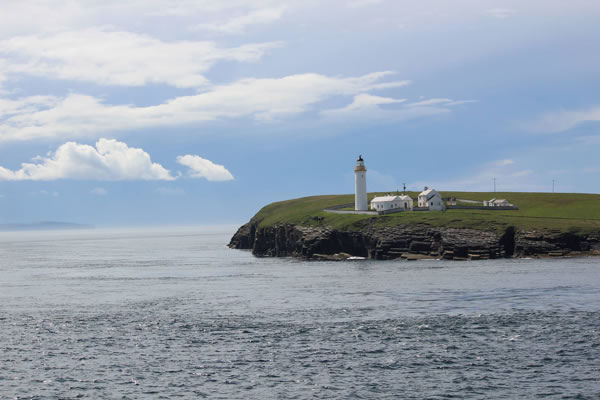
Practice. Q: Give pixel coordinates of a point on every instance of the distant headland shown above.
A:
(544, 225)
(447, 225)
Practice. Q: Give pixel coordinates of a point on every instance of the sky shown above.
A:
(151, 112)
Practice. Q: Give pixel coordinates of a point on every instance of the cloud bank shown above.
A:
(239, 24)
(363, 102)
(121, 58)
(110, 160)
(79, 115)
(367, 106)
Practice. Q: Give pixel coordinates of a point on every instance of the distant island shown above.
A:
(544, 225)
(43, 226)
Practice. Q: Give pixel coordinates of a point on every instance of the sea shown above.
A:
(163, 313)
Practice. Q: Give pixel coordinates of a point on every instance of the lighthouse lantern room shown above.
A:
(360, 185)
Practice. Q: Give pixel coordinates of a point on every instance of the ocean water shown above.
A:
(173, 313)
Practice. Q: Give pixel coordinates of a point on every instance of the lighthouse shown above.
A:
(360, 185)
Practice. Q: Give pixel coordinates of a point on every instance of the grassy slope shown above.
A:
(539, 211)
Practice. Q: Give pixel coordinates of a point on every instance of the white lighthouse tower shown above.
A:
(360, 185)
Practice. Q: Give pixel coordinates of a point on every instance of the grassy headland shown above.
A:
(537, 211)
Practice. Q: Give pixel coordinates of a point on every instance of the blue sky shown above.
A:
(192, 112)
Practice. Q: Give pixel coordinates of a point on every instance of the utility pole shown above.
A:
(494, 185)
(553, 185)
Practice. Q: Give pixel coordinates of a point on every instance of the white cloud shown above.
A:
(202, 168)
(109, 160)
(263, 99)
(19, 17)
(206, 9)
(26, 105)
(2, 76)
(22, 16)
(368, 106)
(99, 191)
(362, 102)
(428, 102)
(110, 57)
(238, 25)
(51, 16)
(560, 121)
(500, 13)
(439, 102)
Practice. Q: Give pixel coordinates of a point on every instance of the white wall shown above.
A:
(435, 203)
(389, 205)
(361, 203)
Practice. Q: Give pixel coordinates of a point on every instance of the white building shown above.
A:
(361, 203)
(496, 203)
(407, 202)
(431, 199)
(391, 202)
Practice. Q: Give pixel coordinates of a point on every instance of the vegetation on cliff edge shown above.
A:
(537, 211)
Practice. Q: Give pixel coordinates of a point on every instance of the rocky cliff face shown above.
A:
(415, 241)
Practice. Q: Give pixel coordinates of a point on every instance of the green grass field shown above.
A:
(537, 211)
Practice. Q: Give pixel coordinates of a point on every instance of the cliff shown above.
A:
(546, 224)
(409, 242)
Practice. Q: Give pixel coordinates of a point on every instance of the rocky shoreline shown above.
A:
(409, 242)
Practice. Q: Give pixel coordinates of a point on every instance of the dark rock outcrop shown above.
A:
(409, 242)
(555, 243)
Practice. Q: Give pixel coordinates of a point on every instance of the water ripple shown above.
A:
(121, 353)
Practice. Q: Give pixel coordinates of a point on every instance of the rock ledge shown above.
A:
(409, 242)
